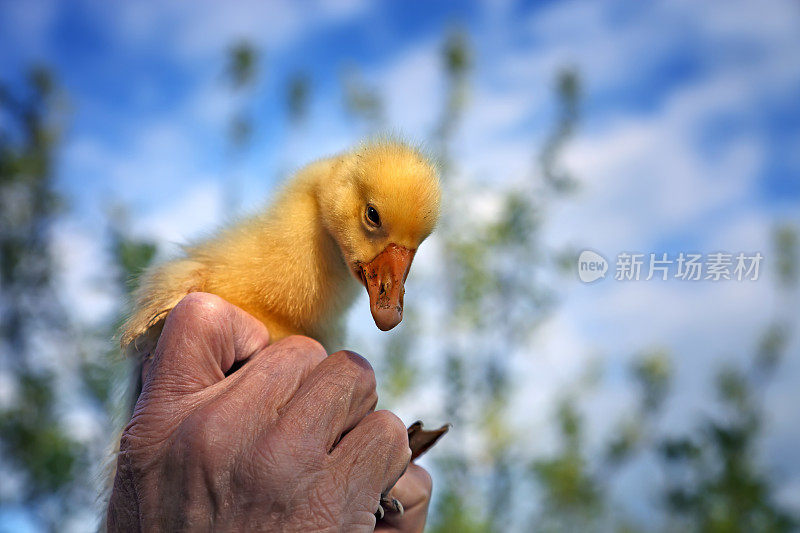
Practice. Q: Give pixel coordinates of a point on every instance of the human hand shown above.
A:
(288, 442)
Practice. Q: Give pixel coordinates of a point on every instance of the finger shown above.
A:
(203, 337)
(272, 377)
(375, 453)
(337, 394)
(413, 490)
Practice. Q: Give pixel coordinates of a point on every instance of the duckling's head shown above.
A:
(379, 203)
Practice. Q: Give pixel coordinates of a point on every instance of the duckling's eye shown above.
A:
(373, 217)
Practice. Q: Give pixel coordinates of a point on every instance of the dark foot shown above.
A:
(391, 504)
(421, 440)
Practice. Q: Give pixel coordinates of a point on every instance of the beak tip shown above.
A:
(387, 319)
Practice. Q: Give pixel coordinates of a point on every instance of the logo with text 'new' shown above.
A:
(591, 266)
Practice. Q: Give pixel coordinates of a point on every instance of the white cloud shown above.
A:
(206, 28)
(211, 105)
(493, 112)
(157, 161)
(412, 87)
(197, 211)
(84, 273)
(647, 175)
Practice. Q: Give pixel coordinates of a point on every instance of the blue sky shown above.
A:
(689, 141)
(145, 75)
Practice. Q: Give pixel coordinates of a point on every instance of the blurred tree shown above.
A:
(362, 101)
(717, 480)
(241, 68)
(482, 283)
(47, 356)
(568, 88)
(297, 96)
(35, 444)
(131, 256)
(241, 73)
(492, 306)
(571, 496)
(788, 248)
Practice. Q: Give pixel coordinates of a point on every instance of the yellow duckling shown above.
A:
(357, 217)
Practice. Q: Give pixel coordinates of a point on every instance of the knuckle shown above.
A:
(305, 346)
(287, 441)
(389, 425)
(199, 434)
(355, 369)
(272, 454)
(200, 305)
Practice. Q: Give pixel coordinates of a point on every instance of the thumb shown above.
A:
(202, 339)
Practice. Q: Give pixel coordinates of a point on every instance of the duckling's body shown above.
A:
(297, 265)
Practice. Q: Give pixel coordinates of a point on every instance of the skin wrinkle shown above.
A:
(128, 485)
(323, 503)
(358, 493)
(246, 471)
(277, 372)
(128, 444)
(218, 479)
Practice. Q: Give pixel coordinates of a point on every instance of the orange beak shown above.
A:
(384, 278)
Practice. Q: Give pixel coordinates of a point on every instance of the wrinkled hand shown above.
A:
(260, 449)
